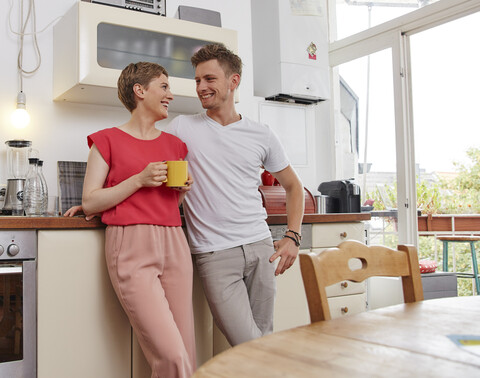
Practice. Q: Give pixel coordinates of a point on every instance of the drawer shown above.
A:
(332, 234)
(345, 288)
(347, 305)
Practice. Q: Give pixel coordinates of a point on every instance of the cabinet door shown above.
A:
(82, 329)
(291, 307)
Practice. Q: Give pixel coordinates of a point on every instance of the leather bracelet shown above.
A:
(294, 240)
(297, 235)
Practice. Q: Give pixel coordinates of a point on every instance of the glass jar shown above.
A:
(18, 152)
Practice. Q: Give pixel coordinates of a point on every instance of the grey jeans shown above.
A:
(239, 284)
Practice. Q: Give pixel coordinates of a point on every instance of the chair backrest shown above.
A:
(332, 266)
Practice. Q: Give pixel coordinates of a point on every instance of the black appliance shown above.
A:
(344, 196)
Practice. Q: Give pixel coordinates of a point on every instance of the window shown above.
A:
(390, 41)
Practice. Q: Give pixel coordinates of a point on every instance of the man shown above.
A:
(228, 235)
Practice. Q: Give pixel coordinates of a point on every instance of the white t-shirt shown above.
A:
(224, 208)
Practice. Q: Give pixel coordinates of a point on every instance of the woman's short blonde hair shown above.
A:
(137, 73)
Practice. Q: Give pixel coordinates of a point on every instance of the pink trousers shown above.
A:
(151, 272)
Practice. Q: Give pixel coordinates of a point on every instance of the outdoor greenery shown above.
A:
(459, 194)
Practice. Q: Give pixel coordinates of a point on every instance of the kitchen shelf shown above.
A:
(94, 42)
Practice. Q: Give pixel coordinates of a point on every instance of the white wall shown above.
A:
(59, 130)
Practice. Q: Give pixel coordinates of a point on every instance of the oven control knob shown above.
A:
(1, 250)
(13, 249)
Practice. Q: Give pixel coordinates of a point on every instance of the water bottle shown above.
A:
(33, 192)
(44, 187)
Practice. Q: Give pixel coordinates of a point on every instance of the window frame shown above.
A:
(395, 35)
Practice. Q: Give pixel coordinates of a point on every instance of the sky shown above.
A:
(446, 83)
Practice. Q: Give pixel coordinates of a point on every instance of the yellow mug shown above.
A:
(177, 173)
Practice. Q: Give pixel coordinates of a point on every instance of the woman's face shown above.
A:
(157, 97)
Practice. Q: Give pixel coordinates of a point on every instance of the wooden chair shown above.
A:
(332, 266)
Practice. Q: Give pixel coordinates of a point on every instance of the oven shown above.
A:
(18, 325)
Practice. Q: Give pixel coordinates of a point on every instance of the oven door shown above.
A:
(18, 343)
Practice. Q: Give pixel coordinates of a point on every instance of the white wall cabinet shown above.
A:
(94, 42)
(345, 298)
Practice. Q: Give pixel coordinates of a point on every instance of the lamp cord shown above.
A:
(22, 34)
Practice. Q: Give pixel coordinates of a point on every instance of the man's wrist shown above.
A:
(294, 235)
(296, 241)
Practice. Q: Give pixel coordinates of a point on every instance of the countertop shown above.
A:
(322, 218)
(79, 222)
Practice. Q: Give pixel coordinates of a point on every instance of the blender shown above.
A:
(18, 152)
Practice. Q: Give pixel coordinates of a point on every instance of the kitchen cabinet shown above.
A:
(345, 298)
(82, 329)
(92, 43)
(290, 50)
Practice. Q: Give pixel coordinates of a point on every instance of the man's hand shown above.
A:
(287, 251)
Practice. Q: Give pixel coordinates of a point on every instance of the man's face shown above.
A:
(213, 88)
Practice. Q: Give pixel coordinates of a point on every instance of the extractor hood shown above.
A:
(290, 51)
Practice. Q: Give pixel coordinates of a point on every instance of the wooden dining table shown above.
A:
(408, 340)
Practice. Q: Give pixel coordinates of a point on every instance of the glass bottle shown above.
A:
(33, 192)
(44, 187)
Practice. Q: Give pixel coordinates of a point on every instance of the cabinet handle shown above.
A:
(344, 285)
(343, 235)
(344, 310)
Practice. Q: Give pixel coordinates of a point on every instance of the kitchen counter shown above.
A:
(79, 222)
(322, 218)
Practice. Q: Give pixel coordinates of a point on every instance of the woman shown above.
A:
(147, 255)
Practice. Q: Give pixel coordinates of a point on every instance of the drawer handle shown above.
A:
(344, 310)
(344, 285)
(343, 235)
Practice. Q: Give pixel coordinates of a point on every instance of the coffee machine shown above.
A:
(343, 194)
(18, 152)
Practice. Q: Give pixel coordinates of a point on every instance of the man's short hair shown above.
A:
(137, 73)
(229, 61)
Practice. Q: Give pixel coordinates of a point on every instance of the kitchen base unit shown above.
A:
(82, 329)
(345, 298)
(84, 332)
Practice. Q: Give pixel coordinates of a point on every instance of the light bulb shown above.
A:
(20, 117)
